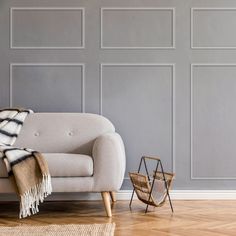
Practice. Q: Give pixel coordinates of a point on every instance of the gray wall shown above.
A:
(163, 71)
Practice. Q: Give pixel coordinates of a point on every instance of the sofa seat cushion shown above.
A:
(63, 165)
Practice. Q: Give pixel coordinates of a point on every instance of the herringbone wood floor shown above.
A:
(191, 218)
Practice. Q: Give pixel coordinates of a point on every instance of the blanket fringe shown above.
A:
(30, 200)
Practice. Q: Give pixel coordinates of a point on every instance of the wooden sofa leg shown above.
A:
(107, 204)
(113, 196)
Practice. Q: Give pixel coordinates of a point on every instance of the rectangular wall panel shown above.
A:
(213, 115)
(137, 28)
(138, 99)
(38, 28)
(213, 28)
(47, 87)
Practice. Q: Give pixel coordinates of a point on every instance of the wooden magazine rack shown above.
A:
(152, 189)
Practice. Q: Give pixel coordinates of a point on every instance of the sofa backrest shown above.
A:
(62, 132)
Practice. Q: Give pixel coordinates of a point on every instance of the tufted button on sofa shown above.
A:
(83, 151)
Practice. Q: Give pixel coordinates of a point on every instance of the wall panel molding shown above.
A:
(194, 9)
(191, 121)
(12, 9)
(136, 9)
(172, 65)
(82, 65)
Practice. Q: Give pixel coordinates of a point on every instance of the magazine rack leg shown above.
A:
(131, 200)
(152, 183)
(167, 189)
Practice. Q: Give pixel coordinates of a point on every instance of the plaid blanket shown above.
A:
(26, 168)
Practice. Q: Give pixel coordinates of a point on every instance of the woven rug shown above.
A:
(60, 230)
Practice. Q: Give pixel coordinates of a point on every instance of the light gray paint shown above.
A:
(121, 83)
(145, 28)
(212, 27)
(39, 28)
(27, 80)
(137, 72)
(213, 121)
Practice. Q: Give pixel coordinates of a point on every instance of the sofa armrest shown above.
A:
(109, 162)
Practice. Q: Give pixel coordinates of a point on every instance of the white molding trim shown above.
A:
(138, 9)
(192, 25)
(191, 120)
(189, 195)
(126, 195)
(82, 65)
(172, 65)
(82, 9)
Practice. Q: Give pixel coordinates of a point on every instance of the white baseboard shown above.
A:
(126, 195)
(190, 195)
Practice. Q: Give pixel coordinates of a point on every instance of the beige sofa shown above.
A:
(83, 151)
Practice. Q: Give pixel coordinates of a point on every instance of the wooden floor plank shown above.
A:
(195, 218)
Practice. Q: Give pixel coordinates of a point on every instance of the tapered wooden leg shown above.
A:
(113, 196)
(107, 204)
